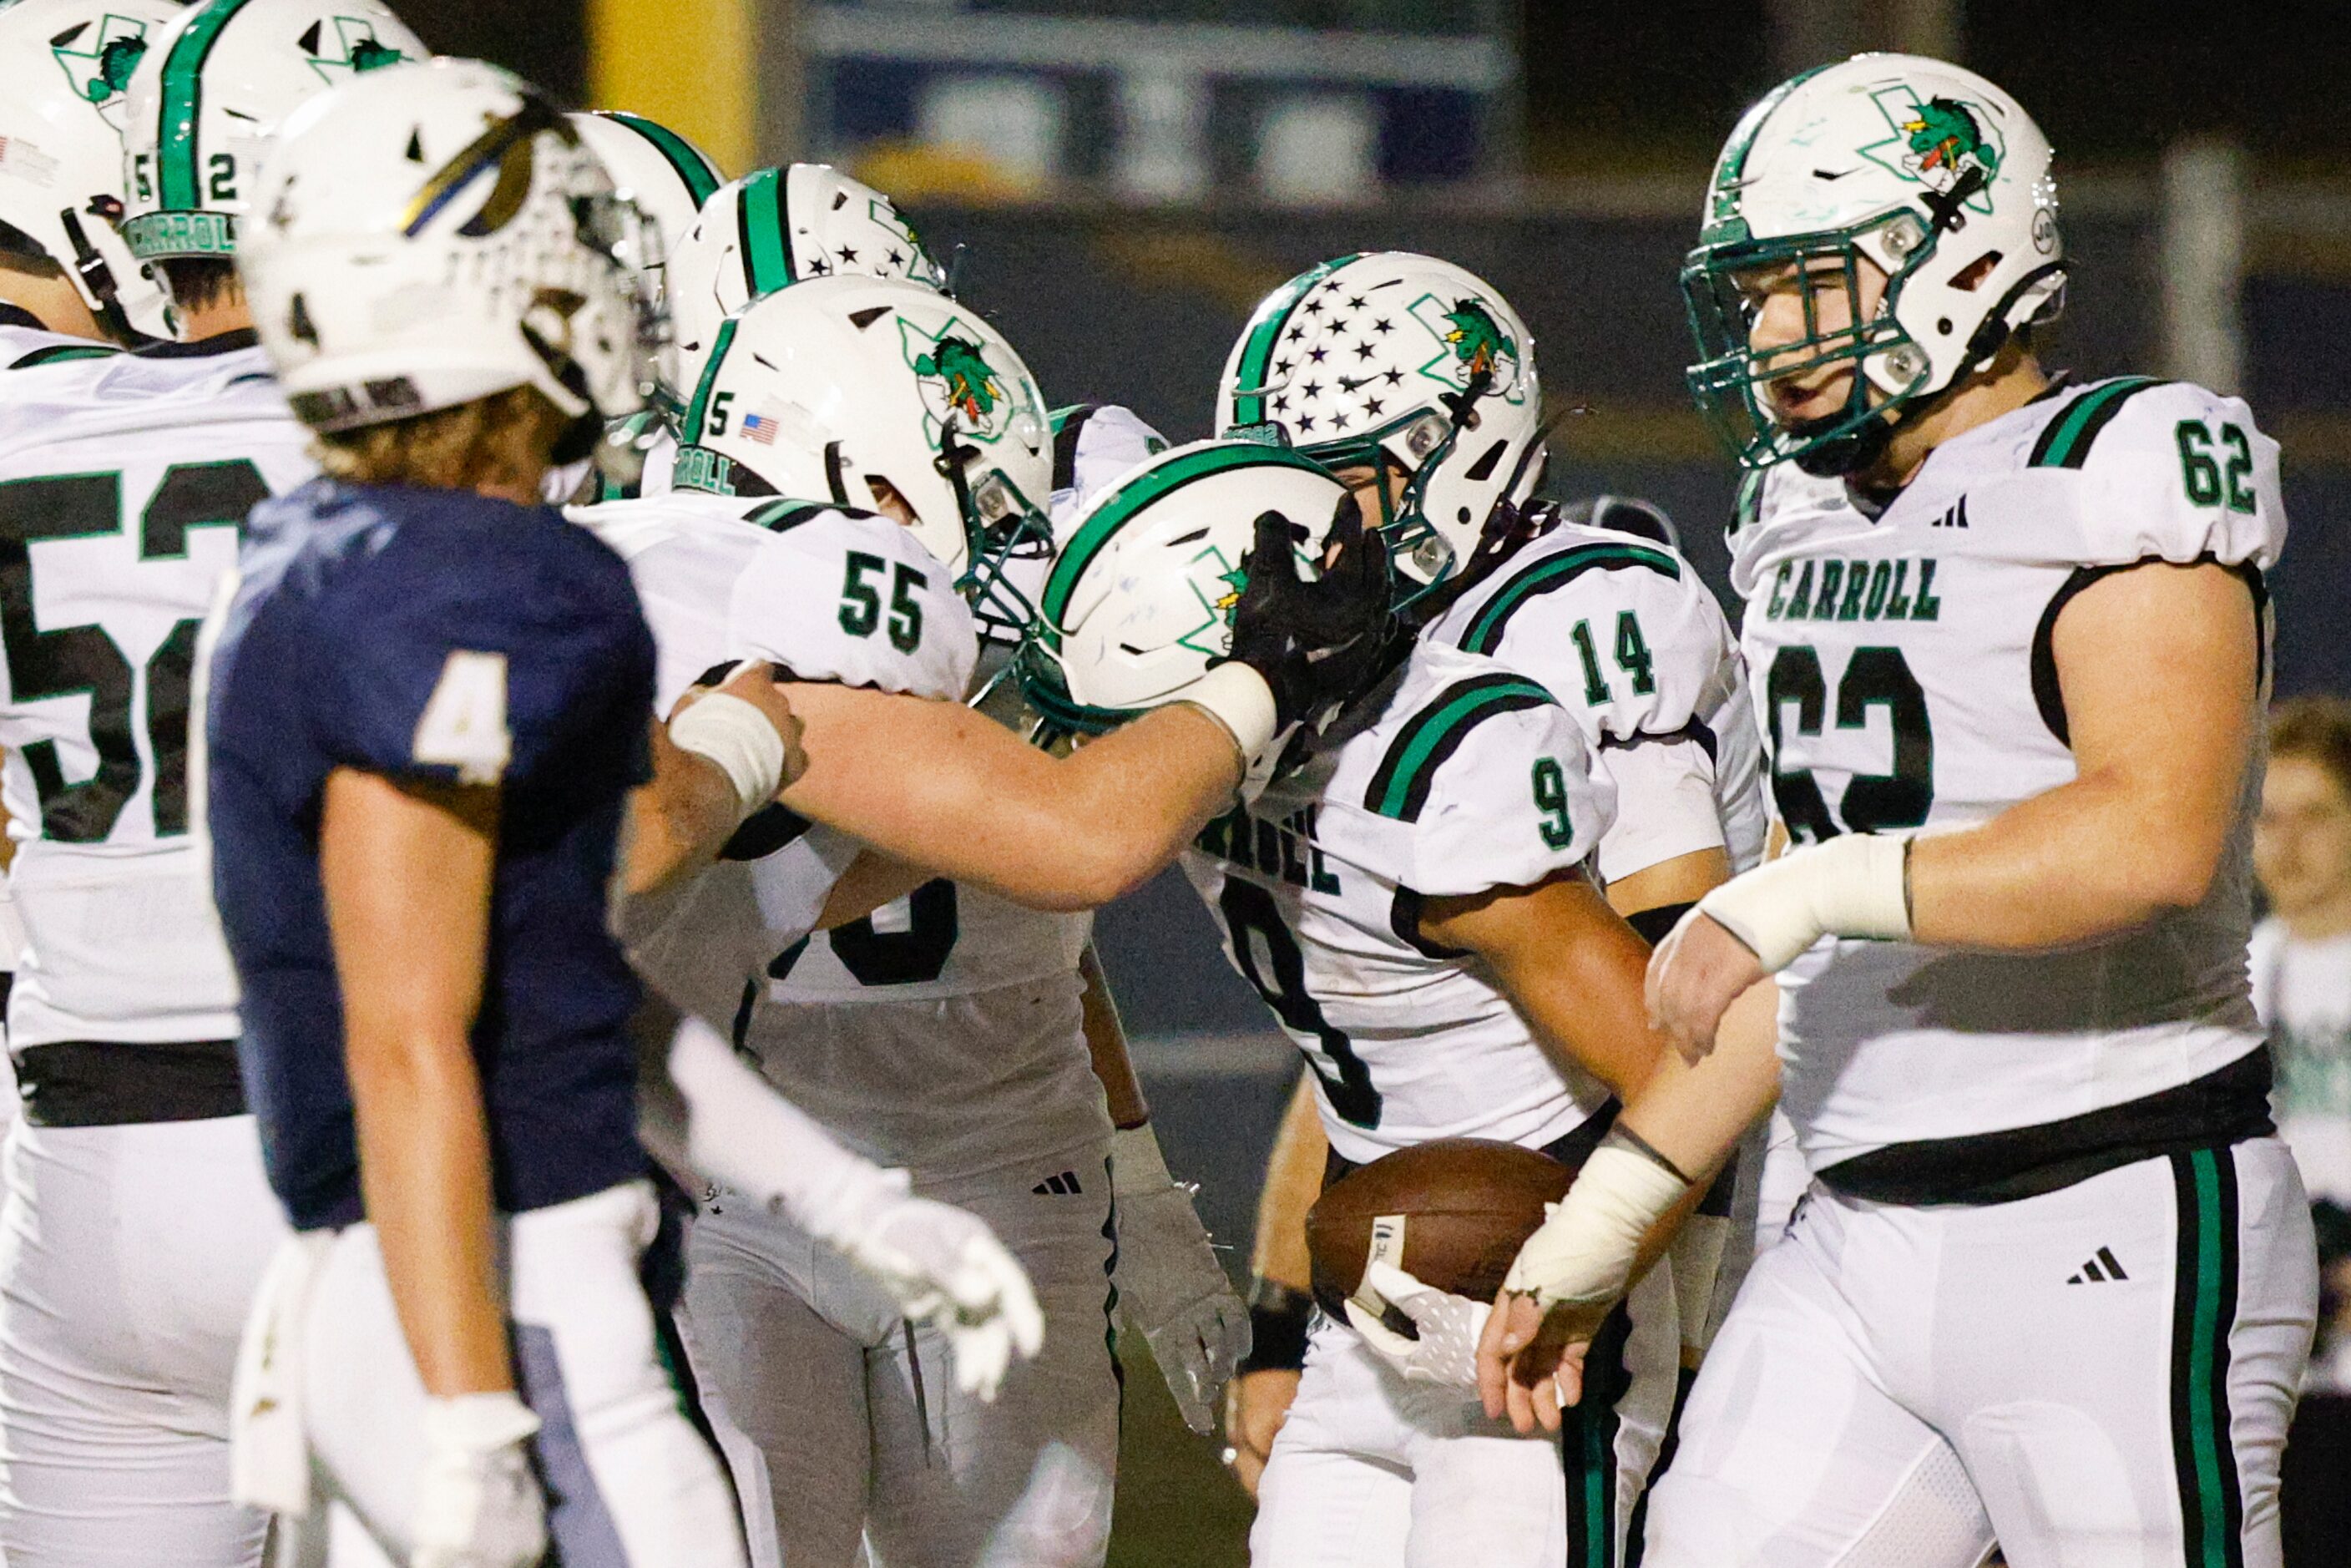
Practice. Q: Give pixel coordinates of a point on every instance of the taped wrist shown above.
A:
(1584, 1253)
(1280, 1318)
(1240, 699)
(737, 738)
(478, 1423)
(1856, 884)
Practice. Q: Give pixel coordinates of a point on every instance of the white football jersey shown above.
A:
(25, 344)
(124, 483)
(896, 1043)
(827, 594)
(1466, 775)
(1904, 678)
(1631, 642)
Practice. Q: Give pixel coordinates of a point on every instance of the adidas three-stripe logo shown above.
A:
(2092, 1274)
(1063, 1186)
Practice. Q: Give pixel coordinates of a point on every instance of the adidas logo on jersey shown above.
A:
(2093, 1274)
(1856, 590)
(1063, 1186)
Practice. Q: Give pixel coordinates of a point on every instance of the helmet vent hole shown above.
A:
(1484, 467)
(1970, 278)
(862, 320)
(1462, 516)
(415, 147)
(840, 199)
(1187, 539)
(1944, 326)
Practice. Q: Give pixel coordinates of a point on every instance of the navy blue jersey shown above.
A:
(441, 635)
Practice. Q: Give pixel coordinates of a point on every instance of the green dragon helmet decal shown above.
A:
(99, 68)
(361, 50)
(1475, 343)
(1936, 140)
(957, 384)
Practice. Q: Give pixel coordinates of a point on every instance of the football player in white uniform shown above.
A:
(1416, 381)
(137, 1220)
(942, 1033)
(2052, 1283)
(1409, 898)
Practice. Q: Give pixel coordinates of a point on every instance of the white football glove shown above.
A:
(1170, 1288)
(946, 1268)
(1449, 1325)
(478, 1504)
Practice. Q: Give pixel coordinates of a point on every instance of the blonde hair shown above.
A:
(501, 438)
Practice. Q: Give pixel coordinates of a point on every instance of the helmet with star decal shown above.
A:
(1404, 365)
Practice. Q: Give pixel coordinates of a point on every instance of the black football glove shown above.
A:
(1315, 643)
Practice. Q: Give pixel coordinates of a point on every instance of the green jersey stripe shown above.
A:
(701, 181)
(2204, 1311)
(2066, 442)
(759, 228)
(1401, 785)
(699, 409)
(59, 353)
(783, 516)
(179, 189)
(1265, 336)
(1485, 632)
(1121, 504)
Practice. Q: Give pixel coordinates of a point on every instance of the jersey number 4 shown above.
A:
(1873, 677)
(65, 660)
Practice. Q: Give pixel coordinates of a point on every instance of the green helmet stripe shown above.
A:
(2066, 442)
(693, 170)
(1265, 336)
(759, 226)
(1121, 504)
(699, 409)
(1485, 633)
(183, 91)
(1401, 785)
(1723, 220)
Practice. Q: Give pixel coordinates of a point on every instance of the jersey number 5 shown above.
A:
(63, 661)
(1873, 677)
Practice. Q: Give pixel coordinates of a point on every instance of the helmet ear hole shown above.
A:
(1970, 278)
(1480, 471)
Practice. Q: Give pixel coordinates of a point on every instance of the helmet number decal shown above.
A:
(719, 407)
(222, 186)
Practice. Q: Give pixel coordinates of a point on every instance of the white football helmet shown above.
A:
(833, 384)
(1146, 578)
(1925, 171)
(211, 91)
(65, 68)
(1396, 360)
(436, 233)
(778, 226)
(666, 176)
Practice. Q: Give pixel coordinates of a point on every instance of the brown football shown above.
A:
(1465, 1206)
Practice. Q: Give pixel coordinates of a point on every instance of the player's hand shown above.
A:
(1530, 1363)
(754, 681)
(478, 1503)
(946, 1268)
(1311, 641)
(1256, 1405)
(1174, 1294)
(1450, 1327)
(1695, 974)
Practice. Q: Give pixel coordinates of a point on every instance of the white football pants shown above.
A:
(842, 1422)
(1373, 1471)
(128, 1257)
(2098, 1377)
(629, 1483)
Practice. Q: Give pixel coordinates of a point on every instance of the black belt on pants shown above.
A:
(112, 1082)
(2223, 1107)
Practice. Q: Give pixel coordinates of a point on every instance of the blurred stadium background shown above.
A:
(1127, 177)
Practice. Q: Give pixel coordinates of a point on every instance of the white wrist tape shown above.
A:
(1135, 1163)
(737, 737)
(1584, 1251)
(1855, 885)
(1238, 697)
(478, 1423)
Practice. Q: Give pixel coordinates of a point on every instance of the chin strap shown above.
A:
(98, 284)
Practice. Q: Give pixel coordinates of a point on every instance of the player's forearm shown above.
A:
(972, 802)
(677, 821)
(2086, 861)
(425, 1175)
(1293, 1178)
(1695, 1114)
(1107, 1045)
